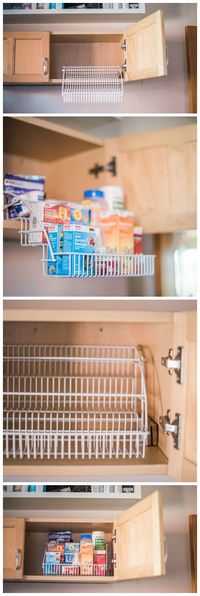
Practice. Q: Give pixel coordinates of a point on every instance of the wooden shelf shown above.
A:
(94, 310)
(73, 136)
(68, 578)
(11, 229)
(29, 471)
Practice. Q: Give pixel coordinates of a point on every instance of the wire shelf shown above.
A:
(74, 401)
(87, 265)
(92, 84)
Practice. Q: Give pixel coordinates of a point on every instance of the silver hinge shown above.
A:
(114, 536)
(114, 561)
(123, 46)
(175, 364)
(171, 428)
(124, 66)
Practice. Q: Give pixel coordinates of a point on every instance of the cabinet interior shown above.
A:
(154, 340)
(36, 537)
(84, 50)
(36, 150)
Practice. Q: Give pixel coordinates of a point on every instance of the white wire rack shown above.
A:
(63, 569)
(87, 265)
(74, 402)
(92, 84)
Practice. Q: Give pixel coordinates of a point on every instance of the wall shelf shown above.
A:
(55, 16)
(72, 501)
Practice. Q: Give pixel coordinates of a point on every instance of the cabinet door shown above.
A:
(145, 48)
(183, 461)
(158, 173)
(13, 547)
(26, 57)
(139, 546)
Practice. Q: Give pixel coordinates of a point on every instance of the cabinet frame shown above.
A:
(145, 514)
(149, 30)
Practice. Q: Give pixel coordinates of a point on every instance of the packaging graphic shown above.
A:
(30, 187)
(72, 554)
(74, 245)
(86, 560)
(117, 231)
(54, 212)
(49, 212)
(79, 214)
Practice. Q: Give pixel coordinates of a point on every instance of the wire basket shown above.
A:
(92, 84)
(74, 402)
(63, 569)
(86, 265)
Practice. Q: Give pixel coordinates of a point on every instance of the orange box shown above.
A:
(117, 231)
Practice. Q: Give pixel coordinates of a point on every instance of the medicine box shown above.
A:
(71, 243)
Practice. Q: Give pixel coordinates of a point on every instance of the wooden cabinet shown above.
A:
(13, 547)
(145, 48)
(142, 55)
(156, 169)
(26, 57)
(155, 332)
(136, 539)
(191, 48)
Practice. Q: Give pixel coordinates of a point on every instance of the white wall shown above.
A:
(165, 95)
(23, 277)
(179, 503)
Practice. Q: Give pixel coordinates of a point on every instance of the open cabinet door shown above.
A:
(139, 548)
(145, 48)
(13, 547)
(183, 400)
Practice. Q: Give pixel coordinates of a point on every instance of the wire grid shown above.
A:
(74, 401)
(87, 265)
(63, 569)
(92, 84)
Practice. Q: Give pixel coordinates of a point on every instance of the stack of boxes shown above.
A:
(64, 557)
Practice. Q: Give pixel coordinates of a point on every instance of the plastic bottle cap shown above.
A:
(93, 194)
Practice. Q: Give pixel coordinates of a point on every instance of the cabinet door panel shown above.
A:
(140, 540)
(29, 56)
(158, 172)
(13, 547)
(145, 48)
(182, 462)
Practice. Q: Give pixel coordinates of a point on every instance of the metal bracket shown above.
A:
(114, 561)
(175, 364)
(114, 536)
(171, 428)
(110, 167)
(124, 45)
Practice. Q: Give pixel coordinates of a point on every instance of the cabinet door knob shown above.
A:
(18, 559)
(45, 66)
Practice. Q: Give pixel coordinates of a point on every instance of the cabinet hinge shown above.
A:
(175, 364)
(124, 66)
(114, 561)
(114, 536)
(124, 45)
(111, 167)
(171, 428)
